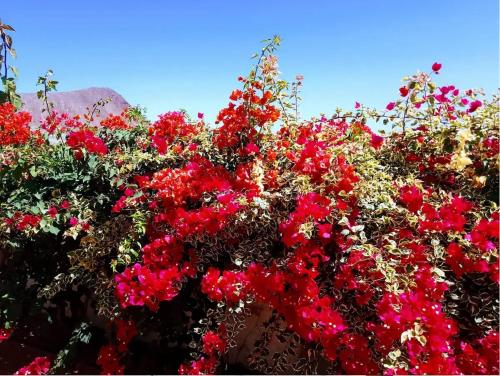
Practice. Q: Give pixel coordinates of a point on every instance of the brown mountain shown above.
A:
(75, 102)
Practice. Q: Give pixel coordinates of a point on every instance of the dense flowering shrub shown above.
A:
(345, 251)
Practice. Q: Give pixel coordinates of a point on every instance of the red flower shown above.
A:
(52, 211)
(129, 192)
(5, 334)
(108, 360)
(474, 105)
(460, 263)
(411, 197)
(228, 286)
(213, 343)
(139, 285)
(436, 67)
(115, 122)
(485, 235)
(39, 366)
(324, 230)
(376, 141)
(251, 148)
(171, 127)
(313, 160)
(403, 90)
(29, 220)
(355, 356)
(310, 207)
(239, 121)
(14, 126)
(235, 95)
(202, 366)
(125, 332)
(86, 139)
(64, 205)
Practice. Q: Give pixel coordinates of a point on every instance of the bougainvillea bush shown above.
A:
(164, 247)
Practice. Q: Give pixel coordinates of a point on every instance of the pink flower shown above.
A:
(73, 221)
(357, 105)
(390, 106)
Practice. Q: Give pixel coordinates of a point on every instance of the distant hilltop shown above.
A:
(75, 102)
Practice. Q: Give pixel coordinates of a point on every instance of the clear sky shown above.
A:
(167, 55)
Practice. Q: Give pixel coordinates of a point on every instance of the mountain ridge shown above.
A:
(75, 102)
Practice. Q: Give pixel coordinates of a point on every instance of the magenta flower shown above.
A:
(436, 67)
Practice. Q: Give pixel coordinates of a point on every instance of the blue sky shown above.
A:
(167, 55)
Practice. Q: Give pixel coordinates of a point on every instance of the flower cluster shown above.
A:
(110, 355)
(138, 285)
(230, 286)
(171, 128)
(57, 123)
(311, 208)
(39, 366)
(14, 126)
(22, 221)
(87, 140)
(214, 345)
(246, 112)
(108, 360)
(484, 236)
(116, 121)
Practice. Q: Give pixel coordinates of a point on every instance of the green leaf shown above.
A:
(53, 230)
